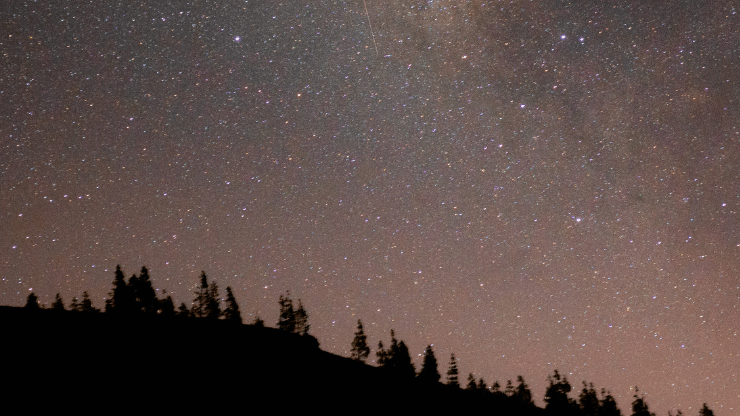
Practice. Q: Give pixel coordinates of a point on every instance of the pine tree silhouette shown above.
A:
(472, 385)
(212, 303)
(301, 320)
(200, 302)
(705, 411)
(58, 304)
(639, 406)
(607, 405)
(143, 293)
(522, 394)
(73, 305)
(120, 298)
(360, 350)
(556, 395)
(429, 371)
(231, 312)
(382, 355)
(167, 307)
(32, 302)
(86, 305)
(589, 401)
(286, 320)
(452, 374)
(183, 311)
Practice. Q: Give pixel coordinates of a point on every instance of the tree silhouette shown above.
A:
(200, 302)
(522, 394)
(429, 371)
(588, 400)
(382, 355)
(482, 386)
(143, 293)
(231, 312)
(452, 374)
(183, 311)
(301, 320)
(509, 391)
(705, 411)
(32, 301)
(58, 304)
(556, 395)
(286, 320)
(167, 307)
(639, 406)
(212, 309)
(86, 305)
(121, 297)
(73, 305)
(472, 385)
(402, 364)
(360, 350)
(397, 358)
(607, 405)
(258, 322)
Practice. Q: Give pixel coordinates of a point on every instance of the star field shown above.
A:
(532, 185)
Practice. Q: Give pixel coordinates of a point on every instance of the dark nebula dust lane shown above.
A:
(530, 185)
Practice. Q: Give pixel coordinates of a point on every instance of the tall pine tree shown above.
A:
(429, 371)
(452, 373)
(231, 312)
(286, 320)
(360, 350)
(301, 320)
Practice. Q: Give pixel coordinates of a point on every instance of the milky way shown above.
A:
(530, 185)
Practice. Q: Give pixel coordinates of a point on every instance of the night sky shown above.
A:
(530, 185)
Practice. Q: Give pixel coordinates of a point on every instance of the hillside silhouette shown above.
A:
(143, 355)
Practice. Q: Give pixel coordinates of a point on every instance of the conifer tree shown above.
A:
(429, 371)
(607, 405)
(705, 411)
(258, 322)
(639, 406)
(382, 355)
(402, 364)
(73, 305)
(472, 385)
(198, 310)
(522, 394)
(286, 320)
(556, 395)
(231, 312)
(143, 292)
(452, 374)
(58, 304)
(497, 393)
(588, 400)
(213, 302)
(301, 320)
(120, 298)
(183, 311)
(360, 350)
(509, 391)
(86, 304)
(32, 301)
(482, 386)
(167, 307)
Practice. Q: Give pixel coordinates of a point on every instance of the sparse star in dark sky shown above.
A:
(531, 185)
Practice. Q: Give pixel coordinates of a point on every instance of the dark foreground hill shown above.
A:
(98, 362)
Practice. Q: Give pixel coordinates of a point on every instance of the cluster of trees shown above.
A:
(397, 360)
(138, 297)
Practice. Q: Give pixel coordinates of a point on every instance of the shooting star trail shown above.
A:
(371, 27)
